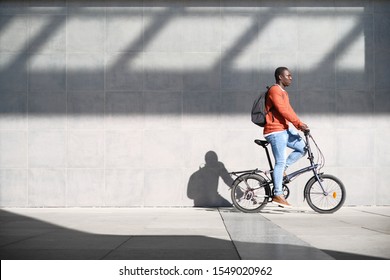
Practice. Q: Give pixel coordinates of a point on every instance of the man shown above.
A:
(278, 133)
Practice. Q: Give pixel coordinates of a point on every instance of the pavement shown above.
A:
(352, 233)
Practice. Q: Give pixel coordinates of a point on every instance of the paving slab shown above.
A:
(350, 233)
(108, 233)
(256, 238)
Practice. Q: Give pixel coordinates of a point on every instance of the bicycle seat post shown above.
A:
(269, 158)
(264, 144)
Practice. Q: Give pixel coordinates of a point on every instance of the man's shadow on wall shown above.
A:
(203, 184)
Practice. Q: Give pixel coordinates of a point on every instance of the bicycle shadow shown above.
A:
(278, 210)
(202, 186)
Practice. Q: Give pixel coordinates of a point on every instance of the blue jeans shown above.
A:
(279, 142)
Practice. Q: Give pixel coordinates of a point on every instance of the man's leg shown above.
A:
(296, 143)
(278, 143)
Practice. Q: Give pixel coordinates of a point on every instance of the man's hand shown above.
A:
(303, 127)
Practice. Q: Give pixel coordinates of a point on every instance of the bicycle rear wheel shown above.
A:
(328, 201)
(250, 193)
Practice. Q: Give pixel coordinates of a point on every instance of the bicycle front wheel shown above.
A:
(250, 193)
(327, 199)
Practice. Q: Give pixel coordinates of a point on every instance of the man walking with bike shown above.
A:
(279, 135)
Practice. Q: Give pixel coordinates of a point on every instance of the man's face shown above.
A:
(286, 78)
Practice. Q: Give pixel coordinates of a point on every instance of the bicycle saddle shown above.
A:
(262, 143)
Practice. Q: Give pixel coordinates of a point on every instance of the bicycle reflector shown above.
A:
(334, 195)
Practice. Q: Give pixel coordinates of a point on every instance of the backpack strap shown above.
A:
(272, 107)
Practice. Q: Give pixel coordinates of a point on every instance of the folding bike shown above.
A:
(253, 189)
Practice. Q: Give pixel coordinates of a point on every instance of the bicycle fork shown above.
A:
(316, 178)
(319, 180)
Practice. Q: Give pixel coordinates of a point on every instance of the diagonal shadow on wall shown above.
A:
(221, 84)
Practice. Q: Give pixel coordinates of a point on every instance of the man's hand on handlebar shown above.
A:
(303, 127)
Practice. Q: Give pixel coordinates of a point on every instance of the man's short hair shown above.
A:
(279, 72)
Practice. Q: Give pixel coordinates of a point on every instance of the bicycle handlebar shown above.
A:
(306, 132)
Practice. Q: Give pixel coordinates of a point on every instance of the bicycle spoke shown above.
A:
(248, 194)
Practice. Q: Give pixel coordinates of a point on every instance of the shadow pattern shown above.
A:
(25, 238)
(231, 83)
(203, 184)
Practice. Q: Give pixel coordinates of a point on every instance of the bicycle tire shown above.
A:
(325, 203)
(250, 193)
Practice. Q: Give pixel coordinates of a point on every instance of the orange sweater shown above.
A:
(280, 111)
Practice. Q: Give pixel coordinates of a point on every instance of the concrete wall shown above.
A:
(116, 103)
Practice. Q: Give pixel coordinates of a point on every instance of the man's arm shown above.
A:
(281, 102)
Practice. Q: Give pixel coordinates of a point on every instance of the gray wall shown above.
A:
(116, 103)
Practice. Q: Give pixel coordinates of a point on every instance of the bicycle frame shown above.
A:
(313, 166)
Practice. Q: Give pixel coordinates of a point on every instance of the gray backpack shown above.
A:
(259, 112)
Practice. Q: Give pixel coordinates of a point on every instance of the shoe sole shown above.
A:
(282, 205)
